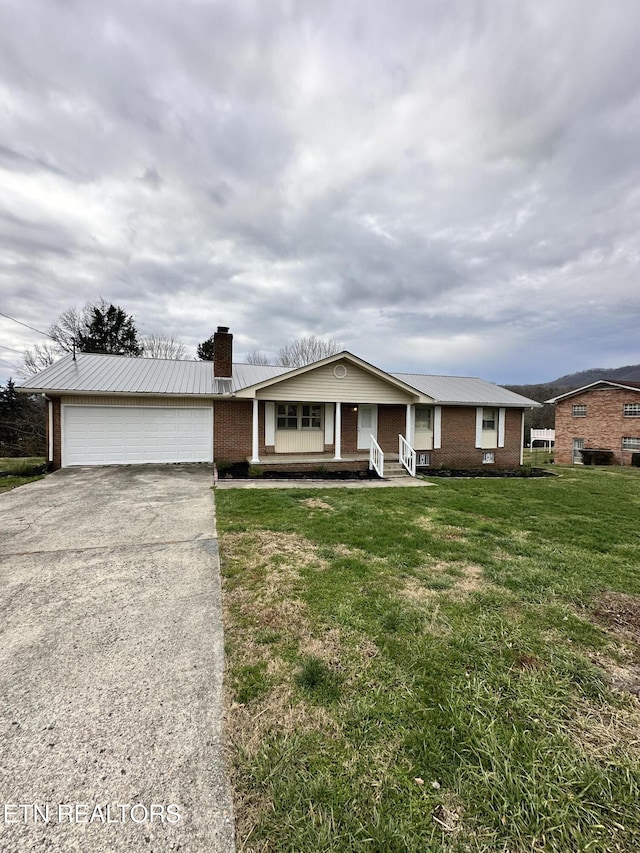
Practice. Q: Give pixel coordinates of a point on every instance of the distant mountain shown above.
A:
(585, 377)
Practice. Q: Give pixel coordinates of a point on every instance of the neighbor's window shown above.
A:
(299, 416)
(631, 410)
(423, 417)
(580, 411)
(287, 416)
(489, 419)
(488, 457)
(630, 443)
(311, 417)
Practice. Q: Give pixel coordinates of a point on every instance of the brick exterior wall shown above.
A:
(459, 440)
(233, 419)
(232, 430)
(604, 425)
(392, 421)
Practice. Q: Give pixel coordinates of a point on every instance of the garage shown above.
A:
(121, 435)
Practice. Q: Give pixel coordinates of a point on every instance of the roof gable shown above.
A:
(324, 374)
(594, 386)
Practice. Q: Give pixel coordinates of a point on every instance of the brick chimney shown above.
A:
(222, 352)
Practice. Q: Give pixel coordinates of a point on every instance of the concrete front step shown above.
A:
(394, 470)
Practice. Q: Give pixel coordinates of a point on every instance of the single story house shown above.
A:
(602, 416)
(341, 412)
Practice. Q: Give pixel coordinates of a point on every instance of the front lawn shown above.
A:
(16, 471)
(439, 669)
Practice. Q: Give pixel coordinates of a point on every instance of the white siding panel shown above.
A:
(322, 386)
(437, 427)
(120, 435)
(299, 441)
(501, 418)
(269, 424)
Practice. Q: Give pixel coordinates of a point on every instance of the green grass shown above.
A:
(417, 669)
(19, 468)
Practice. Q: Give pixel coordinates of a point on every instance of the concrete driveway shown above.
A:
(111, 661)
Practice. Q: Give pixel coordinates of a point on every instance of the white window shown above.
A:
(580, 411)
(630, 443)
(311, 416)
(631, 410)
(489, 419)
(488, 457)
(287, 416)
(423, 458)
(423, 417)
(299, 416)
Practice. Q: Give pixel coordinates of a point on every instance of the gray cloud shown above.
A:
(444, 186)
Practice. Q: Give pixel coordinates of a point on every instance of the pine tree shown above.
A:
(109, 330)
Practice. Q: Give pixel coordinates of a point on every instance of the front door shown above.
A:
(367, 425)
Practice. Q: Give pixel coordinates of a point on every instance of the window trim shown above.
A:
(492, 420)
(634, 442)
(300, 416)
(631, 410)
(579, 410)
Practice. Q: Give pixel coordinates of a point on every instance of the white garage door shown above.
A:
(119, 435)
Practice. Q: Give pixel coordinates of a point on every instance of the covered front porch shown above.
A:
(340, 413)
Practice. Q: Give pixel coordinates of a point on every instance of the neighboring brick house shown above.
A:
(106, 409)
(604, 415)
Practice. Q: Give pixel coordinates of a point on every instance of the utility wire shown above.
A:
(33, 329)
(3, 346)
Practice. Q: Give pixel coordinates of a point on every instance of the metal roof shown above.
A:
(466, 390)
(92, 373)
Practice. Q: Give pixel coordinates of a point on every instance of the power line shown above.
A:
(33, 329)
(3, 346)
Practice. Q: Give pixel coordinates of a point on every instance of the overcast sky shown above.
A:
(445, 186)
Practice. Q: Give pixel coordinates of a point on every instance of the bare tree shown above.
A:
(36, 359)
(305, 350)
(160, 346)
(71, 324)
(257, 357)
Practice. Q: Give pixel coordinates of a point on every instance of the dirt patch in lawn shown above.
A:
(317, 503)
(620, 614)
(606, 732)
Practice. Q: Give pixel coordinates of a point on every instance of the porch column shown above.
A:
(338, 435)
(254, 438)
(408, 435)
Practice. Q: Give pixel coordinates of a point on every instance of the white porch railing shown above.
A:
(407, 455)
(376, 458)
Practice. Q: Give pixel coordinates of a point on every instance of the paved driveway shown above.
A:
(111, 661)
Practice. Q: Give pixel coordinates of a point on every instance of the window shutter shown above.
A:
(437, 427)
(479, 426)
(328, 423)
(269, 424)
(501, 418)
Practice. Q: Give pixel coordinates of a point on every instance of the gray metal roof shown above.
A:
(466, 390)
(117, 374)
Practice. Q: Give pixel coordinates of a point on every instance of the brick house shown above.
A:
(605, 416)
(106, 409)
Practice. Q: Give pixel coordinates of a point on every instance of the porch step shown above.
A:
(394, 470)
